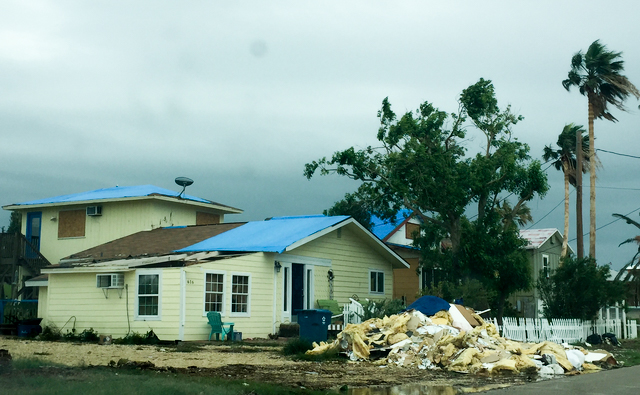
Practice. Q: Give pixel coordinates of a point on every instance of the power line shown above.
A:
(547, 214)
(617, 153)
(605, 225)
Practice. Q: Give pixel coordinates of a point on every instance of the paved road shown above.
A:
(624, 381)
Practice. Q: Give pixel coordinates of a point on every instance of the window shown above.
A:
(71, 223)
(545, 265)
(148, 296)
(214, 292)
(376, 282)
(411, 230)
(203, 218)
(240, 286)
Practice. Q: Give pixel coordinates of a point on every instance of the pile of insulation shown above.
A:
(414, 339)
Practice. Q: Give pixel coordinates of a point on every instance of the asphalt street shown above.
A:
(624, 381)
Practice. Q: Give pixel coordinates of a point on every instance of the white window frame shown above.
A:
(547, 266)
(231, 312)
(224, 291)
(157, 317)
(376, 292)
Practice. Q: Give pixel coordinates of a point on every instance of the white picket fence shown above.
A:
(353, 312)
(562, 330)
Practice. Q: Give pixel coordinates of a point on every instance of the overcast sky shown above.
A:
(240, 95)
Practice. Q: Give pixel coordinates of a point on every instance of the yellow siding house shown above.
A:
(256, 274)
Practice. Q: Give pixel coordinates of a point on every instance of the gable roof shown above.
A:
(273, 235)
(117, 193)
(174, 244)
(385, 228)
(537, 237)
(156, 242)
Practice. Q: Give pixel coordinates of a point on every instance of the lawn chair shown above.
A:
(218, 327)
(337, 316)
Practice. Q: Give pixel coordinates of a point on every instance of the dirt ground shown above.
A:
(256, 363)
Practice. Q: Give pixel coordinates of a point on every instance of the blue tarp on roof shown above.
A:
(273, 235)
(113, 193)
(382, 228)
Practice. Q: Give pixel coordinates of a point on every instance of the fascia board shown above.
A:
(226, 209)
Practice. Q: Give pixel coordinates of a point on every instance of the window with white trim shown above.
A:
(545, 265)
(214, 292)
(240, 294)
(376, 282)
(148, 296)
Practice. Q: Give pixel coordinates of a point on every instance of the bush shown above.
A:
(297, 346)
(137, 338)
(381, 308)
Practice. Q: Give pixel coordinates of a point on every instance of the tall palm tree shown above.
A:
(597, 75)
(564, 158)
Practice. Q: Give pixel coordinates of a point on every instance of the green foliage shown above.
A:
(15, 222)
(296, 346)
(353, 206)
(137, 338)
(578, 289)
(50, 333)
(471, 291)
(381, 308)
(422, 165)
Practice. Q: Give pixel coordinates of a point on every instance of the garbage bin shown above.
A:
(314, 324)
(29, 328)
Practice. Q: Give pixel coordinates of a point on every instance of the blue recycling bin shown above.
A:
(314, 324)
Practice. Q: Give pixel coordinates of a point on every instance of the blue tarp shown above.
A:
(382, 228)
(429, 305)
(273, 235)
(114, 193)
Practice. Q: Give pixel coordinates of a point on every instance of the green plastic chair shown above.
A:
(218, 327)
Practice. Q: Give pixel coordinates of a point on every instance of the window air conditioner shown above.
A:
(115, 280)
(93, 211)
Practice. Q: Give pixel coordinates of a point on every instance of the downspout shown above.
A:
(183, 299)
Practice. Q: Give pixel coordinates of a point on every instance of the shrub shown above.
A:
(297, 346)
(381, 308)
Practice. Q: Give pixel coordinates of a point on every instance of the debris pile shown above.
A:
(455, 340)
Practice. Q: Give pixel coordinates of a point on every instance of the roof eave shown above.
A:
(219, 207)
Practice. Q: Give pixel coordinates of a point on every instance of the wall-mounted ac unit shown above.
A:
(94, 211)
(113, 280)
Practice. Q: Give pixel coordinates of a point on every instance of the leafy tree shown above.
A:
(357, 208)
(578, 289)
(630, 273)
(423, 166)
(597, 75)
(15, 223)
(564, 159)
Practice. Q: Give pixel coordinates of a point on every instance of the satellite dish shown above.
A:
(184, 182)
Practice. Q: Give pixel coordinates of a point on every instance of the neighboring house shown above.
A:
(61, 225)
(544, 250)
(256, 274)
(397, 234)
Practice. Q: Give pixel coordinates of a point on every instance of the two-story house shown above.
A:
(61, 225)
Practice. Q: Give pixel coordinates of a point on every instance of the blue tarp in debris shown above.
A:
(429, 305)
(113, 193)
(273, 235)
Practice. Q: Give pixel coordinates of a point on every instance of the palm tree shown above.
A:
(597, 75)
(564, 158)
(630, 273)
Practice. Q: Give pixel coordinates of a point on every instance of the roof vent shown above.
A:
(184, 182)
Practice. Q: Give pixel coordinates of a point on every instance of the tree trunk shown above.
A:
(592, 187)
(565, 234)
(579, 232)
(502, 298)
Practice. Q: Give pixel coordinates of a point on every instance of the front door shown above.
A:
(34, 220)
(297, 288)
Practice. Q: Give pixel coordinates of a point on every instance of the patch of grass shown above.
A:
(629, 353)
(25, 379)
(297, 346)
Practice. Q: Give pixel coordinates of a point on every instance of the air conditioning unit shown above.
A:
(94, 211)
(112, 280)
